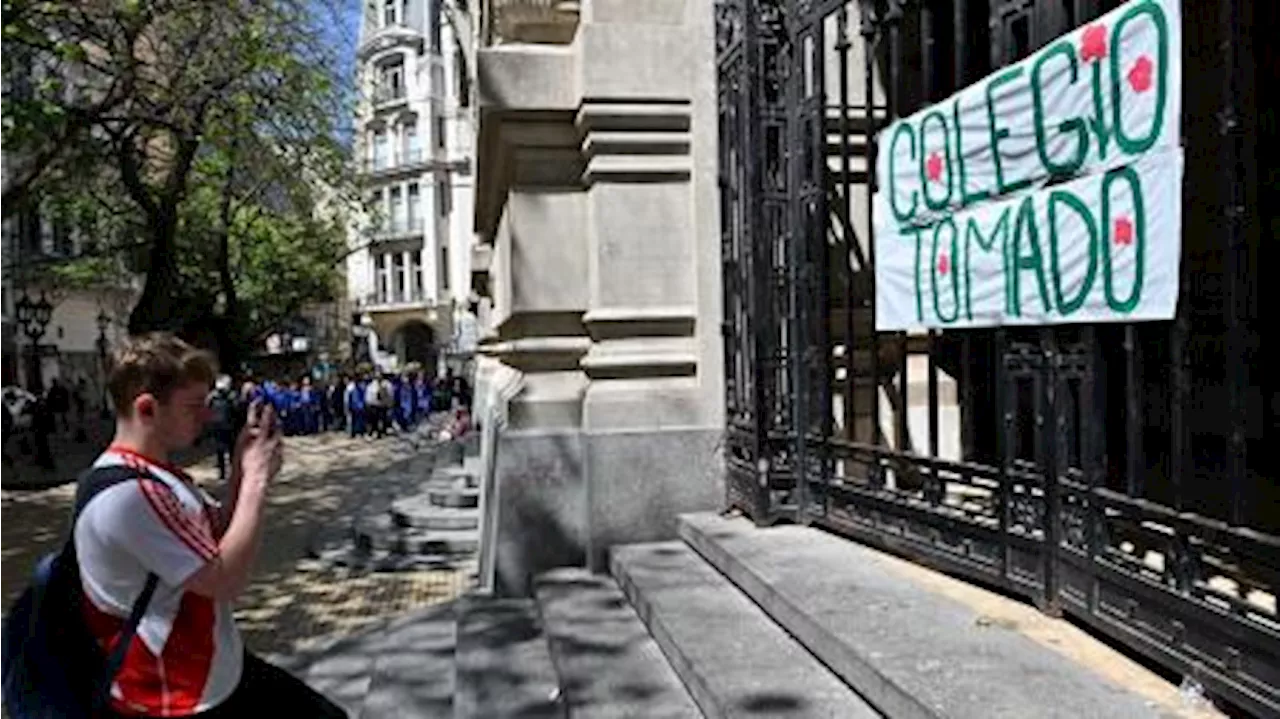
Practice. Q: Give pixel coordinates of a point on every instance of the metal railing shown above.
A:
(1098, 470)
(398, 228)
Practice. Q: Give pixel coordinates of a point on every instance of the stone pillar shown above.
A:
(653, 411)
(596, 184)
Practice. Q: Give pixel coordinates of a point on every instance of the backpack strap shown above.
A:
(91, 483)
(116, 658)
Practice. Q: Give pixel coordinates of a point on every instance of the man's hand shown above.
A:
(259, 450)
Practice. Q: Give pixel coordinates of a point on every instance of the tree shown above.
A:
(192, 144)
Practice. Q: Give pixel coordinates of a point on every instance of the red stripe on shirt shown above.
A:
(134, 454)
(178, 514)
(171, 514)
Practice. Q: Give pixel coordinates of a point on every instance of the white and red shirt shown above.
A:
(187, 655)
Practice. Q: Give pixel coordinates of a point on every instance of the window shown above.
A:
(464, 81)
(440, 130)
(412, 149)
(391, 81)
(414, 213)
(434, 21)
(444, 196)
(443, 268)
(380, 278)
(380, 149)
(415, 272)
(376, 209)
(390, 13)
(398, 277)
(396, 210)
(63, 242)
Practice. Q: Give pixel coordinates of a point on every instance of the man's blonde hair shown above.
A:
(157, 363)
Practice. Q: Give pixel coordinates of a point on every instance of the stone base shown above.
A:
(541, 507)
(642, 481)
(565, 498)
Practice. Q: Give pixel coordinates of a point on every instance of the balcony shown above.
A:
(396, 164)
(546, 22)
(388, 37)
(390, 301)
(413, 161)
(387, 97)
(400, 230)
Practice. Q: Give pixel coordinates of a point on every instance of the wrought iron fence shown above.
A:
(1114, 473)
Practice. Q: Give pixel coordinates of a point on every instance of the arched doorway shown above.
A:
(414, 341)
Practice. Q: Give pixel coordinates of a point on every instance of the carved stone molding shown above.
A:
(551, 22)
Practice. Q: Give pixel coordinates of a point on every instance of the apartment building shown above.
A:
(408, 274)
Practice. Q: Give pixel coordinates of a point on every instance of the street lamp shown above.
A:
(103, 321)
(33, 317)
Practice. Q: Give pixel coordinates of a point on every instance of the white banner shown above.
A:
(1048, 193)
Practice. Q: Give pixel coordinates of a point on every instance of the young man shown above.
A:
(187, 658)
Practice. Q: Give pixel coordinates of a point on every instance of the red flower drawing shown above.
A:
(1093, 44)
(1122, 231)
(944, 265)
(1140, 74)
(933, 166)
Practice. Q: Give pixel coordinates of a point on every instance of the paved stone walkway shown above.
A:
(293, 599)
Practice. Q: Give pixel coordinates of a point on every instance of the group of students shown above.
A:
(358, 404)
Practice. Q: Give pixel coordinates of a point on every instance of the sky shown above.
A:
(340, 25)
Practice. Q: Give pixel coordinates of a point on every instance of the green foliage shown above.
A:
(191, 141)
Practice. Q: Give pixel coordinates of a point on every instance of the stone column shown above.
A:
(653, 410)
(596, 183)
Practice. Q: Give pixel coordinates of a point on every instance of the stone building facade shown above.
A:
(597, 224)
(408, 271)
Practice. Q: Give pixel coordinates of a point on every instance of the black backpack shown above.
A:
(52, 666)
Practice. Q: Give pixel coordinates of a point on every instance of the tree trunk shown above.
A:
(161, 306)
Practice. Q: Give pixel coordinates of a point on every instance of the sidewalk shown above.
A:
(71, 457)
(327, 480)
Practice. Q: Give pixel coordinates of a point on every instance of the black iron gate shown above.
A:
(1113, 473)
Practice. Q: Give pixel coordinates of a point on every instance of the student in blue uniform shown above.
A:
(422, 398)
(289, 403)
(405, 401)
(309, 408)
(355, 406)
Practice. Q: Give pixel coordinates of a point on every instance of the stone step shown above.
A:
(733, 659)
(460, 476)
(459, 497)
(418, 512)
(504, 668)
(909, 649)
(413, 672)
(381, 533)
(397, 668)
(608, 664)
(378, 560)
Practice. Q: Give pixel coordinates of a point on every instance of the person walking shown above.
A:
(43, 427)
(377, 399)
(58, 400)
(326, 415)
(222, 423)
(187, 658)
(79, 399)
